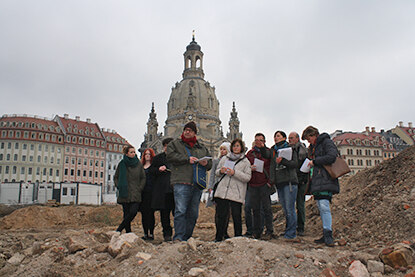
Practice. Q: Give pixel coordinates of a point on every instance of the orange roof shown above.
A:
(83, 128)
(372, 139)
(36, 123)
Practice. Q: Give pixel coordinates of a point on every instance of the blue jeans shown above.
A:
(187, 200)
(325, 214)
(287, 194)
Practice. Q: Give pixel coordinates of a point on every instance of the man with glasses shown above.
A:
(259, 190)
(183, 153)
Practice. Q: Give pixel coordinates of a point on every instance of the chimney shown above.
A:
(373, 130)
(77, 118)
(367, 130)
(66, 116)
(410, 125)
(400, 123)
(113, 131)
(88, 120)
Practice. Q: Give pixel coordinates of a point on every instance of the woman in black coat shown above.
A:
(322, 151)
(163, 199)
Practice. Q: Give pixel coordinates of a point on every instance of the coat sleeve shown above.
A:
(330, 153)
(243, 172)
(175, 156)
(154, 168)
(142, 177)
(209, 164)
(116, 175)
(272, 166)
(220, 165)
(212, 174)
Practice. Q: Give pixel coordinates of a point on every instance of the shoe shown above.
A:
(226, 236)
(300, 233)
(328, 238)
(167, 238)
(248, 235)
(218, 240)
(256, 236)
(267, 236)
(177, 241)
(145, 237)
(150, 237)
(320, 240)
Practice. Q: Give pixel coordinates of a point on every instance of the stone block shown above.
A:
(375, 266)
(357, 269)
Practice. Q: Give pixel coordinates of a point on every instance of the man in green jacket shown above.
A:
(183, 153)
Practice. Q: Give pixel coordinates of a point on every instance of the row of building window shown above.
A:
(359, 162)
(30, 125)
(85, 151)
(367, 152)
(25, 146)
(85, 141)
(31, 135)
(85, 161)
(84, 173)
(29, 170)
(23, 159)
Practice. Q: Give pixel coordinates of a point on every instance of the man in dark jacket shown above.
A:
(301, 150)
(183, 154)
(163, 198)
(322, 151)
(258, 188)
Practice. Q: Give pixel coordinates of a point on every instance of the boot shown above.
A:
(320, 240)
(328, 238)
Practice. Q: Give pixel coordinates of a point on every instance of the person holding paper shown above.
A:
(301, 150)
(322, 151)
(231, 190)
(283, 174)
(186, 194)
(258, 190)
(224, 149)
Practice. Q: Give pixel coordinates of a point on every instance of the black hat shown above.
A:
(191, 125)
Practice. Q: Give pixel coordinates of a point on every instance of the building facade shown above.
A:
(192, 99)
(60, 149)
(406, 133)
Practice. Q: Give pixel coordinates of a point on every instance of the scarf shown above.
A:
(281, 145)
(122, 177)
(191, 141)
(233, 157)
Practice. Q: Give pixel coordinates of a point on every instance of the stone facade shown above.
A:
(192, 99)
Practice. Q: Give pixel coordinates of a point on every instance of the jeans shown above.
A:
(325, 214)
(187, 200)
(261, 206)
(301, 207)
(249, 216)
(129, 212)
(222, 210)
(287, 194)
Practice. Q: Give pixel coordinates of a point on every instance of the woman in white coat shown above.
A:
(234, 170)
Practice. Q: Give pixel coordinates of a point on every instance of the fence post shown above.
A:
(20, 193)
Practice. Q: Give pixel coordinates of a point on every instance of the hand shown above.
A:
(162, 168)
(230, 172)
(261, 144)
(192, 159)
(223, 169)
(210, 191)
(203, 162)
(278, 160)
(253, 167)
(310, 164)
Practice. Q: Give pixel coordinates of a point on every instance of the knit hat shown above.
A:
(191, 125)
(227, 145)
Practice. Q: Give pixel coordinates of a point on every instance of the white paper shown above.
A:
(286, 153)
(204, 159)
(305, 167)
(229, 164)
(259, 165)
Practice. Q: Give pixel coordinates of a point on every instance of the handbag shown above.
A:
(199, 174)
(338, 168)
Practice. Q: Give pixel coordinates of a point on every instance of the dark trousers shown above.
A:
(301, 207)
(147, 213)
(227, 223)
(259, 197)
(222, 209)
(249, 217)
(165, 215)
(129, 212)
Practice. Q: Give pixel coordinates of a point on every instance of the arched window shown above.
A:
(198, 62)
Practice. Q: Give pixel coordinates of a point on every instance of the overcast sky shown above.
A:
(287, 64)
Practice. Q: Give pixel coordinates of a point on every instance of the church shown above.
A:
(192, 99)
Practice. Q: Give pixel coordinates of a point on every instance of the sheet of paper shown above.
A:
(305, 167)
(286, 153)
(259, 165)
(204, 159)
(229, 164)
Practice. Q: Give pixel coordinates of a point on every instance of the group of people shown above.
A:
(165, 182)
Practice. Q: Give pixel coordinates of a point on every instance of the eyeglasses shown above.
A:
(188, 130)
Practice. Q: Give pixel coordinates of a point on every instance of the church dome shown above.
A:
(193, 46)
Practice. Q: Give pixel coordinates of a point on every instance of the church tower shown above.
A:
(234, 125)
(152, 138)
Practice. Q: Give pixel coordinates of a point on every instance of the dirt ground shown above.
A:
(375, 210)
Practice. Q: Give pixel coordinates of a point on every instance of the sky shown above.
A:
(336, 65)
